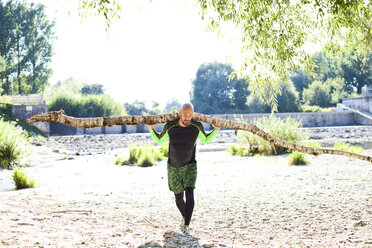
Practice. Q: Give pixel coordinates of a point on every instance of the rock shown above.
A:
(169, 234)
(150, 244)
(360, 223)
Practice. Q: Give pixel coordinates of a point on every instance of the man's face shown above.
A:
(186, 116)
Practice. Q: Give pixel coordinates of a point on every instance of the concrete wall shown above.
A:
(60, 129)
(26, 111)
(308, 119)
(359, 103)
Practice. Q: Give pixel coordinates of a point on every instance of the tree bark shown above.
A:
(60, 117)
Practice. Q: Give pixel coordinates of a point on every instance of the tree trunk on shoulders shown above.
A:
(60, 117)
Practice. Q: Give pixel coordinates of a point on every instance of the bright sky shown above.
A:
(152, 53)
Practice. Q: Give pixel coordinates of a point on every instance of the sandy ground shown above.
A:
(240, 202)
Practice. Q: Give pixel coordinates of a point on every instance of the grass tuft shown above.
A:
(146, 160)
(312, 144)
(21, 180)
(143, 155)
(288, 129)
(297, 158)
(348, 148)
(239, 150)
(13, 144)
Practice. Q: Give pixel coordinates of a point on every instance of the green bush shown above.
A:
(86, 106)
(318, 93)
(143, 155)
(21, 180)
(7, 115)
(297, 158)
(288, 129)
(147, 159)
(239, 150)
(120, 161)
(348, 148)
(13, 143)
(312, 144)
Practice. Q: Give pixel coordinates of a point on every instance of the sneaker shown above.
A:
(182, 224)
(186, 231)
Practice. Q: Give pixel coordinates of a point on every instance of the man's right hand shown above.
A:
(151, 126)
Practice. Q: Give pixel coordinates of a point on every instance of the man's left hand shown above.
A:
(216, 127)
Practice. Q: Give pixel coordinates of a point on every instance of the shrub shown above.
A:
(13, 143)
(7, 115)
(142, 155)
(312, 144)
(147, 159)
(86, 106)
(239, 150)
(297, 158)
(120, 161)
(288, 129)
(348, 148)
(21, 180)
(318, 93)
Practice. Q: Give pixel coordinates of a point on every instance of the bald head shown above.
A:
(186, 114)
(187, 106)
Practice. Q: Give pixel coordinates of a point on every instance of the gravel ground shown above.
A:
(240, 202)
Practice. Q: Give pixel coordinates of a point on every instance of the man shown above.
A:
(182, 169)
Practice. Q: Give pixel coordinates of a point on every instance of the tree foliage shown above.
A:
(173, 105)
(108, 9)
(272, 33)
(2, 64)
(213, 93)
(155, 110)
(317, 94)
(136, 108)
(87, 106)
(70, 86)
(93, 89)
(26, 38)
(338, 77)
(288, 100)
(325, 94)
(2, 68)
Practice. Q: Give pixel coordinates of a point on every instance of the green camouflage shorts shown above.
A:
(182, 177)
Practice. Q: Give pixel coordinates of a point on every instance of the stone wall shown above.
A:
(26, 111)
(308, 119)
(359, 103)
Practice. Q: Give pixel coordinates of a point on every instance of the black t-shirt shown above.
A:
(182, 141)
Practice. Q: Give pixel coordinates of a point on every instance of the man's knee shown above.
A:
(179, 196)
(189, 193)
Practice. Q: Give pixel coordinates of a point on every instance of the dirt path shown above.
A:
(240, 202)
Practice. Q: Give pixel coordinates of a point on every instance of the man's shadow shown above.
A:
(173, 239)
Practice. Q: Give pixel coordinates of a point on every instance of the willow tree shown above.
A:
(273, 32)
(60, 117)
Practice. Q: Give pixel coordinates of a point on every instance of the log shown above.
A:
(60, 117)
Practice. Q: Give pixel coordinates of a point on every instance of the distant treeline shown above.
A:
(333, 79)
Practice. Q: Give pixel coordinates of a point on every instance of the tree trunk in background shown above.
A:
(60, 117)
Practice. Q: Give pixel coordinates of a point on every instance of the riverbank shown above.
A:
(240, 202)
